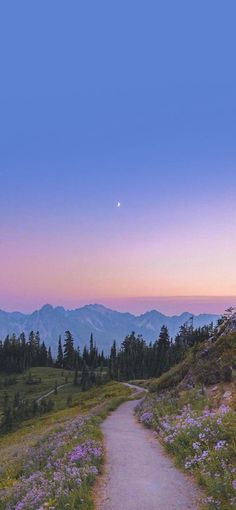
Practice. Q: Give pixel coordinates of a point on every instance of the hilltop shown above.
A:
(105, 324)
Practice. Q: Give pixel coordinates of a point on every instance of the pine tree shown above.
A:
(79, 361)
(85, 355)
(59, 354)
(37, 349)
(93, 353)
(112, 362)
(43, 358)
(23, 349)
(91, 344)
(31, 344)
(69, 352)
(76, 377)
(163, 346)
(50, 360)
(85, 378)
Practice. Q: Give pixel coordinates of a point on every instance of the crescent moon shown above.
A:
(118, 204)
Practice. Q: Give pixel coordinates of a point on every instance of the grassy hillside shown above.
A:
(57, 385)
(52, 461)
(192, 409)
(44, 379)
(207, 363)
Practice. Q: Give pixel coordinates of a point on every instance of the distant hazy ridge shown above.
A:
(105, 324)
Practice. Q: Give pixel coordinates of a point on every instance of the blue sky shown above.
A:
(106, 101)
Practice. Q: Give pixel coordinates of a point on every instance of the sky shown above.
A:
(123, 101)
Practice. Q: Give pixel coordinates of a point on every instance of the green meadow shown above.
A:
(26, 451)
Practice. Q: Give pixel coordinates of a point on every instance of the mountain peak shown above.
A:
(46, 308)
(105, 324)
(97, 306)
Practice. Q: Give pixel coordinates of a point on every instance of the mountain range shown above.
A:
(105, 324)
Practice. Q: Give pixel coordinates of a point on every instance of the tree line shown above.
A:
(18, 354)
(134, 359)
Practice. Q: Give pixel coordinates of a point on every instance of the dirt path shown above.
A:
(50, 393)
(138, 474)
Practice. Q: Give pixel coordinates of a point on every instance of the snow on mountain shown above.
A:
(105, 324)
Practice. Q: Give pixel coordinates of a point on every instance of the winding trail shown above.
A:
(50, 393)
(138, 475)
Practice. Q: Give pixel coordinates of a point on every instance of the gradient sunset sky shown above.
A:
(118, 101)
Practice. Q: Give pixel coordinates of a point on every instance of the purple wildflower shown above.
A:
(220, 445)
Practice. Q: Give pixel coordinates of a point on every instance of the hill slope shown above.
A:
(192, 410)
(209, 363)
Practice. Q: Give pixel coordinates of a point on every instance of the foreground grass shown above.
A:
(200, 431)
(52, 462)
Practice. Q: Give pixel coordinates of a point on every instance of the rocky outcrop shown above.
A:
(229, 326)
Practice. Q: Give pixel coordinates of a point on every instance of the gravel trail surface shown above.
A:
(138, 474)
